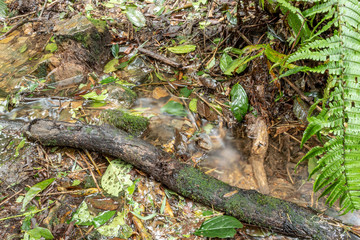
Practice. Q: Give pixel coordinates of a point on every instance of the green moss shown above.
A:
(134, 125)
(52, 142)
(99, 24)
(131, 95)
(83, 38)
(88, 130)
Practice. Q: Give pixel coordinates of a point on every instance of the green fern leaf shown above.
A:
(338, 166)
(320, 8)
(3, 9)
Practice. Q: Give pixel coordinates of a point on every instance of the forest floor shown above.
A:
(173, 62)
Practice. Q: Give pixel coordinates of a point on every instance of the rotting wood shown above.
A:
(248, 206)
(258, 130)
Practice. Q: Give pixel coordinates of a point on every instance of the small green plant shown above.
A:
(219, 226)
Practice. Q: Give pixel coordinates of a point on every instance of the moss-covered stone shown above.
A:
(134, 125)
(91, 33)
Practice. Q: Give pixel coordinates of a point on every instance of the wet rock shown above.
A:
(65, 71)
(159, 132)
(92, 34)
(17, 58)
(204, 141)
(122, 96)
(69, 81)
(136, 72)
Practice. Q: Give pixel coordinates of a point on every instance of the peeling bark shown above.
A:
(248, 206)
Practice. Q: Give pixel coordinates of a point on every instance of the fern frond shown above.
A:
(320, 8)
(338, 166)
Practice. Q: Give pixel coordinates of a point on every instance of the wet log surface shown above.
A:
(248, 206)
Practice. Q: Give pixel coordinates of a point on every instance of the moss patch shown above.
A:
(99, 24)
(134, 125)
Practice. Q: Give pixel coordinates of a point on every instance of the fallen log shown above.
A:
(248, 206)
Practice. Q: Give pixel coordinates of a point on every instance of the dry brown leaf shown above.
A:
(159, 92)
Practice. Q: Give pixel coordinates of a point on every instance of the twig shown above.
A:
(305, 98)
(306, 146)
(28, 20)
(19, 25)
(91, 172)
(209, 105)
(160, 58)
(43, 8)
(6, 200)
(93, 162)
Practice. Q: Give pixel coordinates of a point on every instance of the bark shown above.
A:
(248, 206)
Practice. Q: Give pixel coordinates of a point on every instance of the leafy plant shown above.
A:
(38, 233)
(339, 163)
(219, 226)
(34, 190)
(239, 102)
(3, 9)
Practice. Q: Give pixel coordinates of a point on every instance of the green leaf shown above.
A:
(174, 108)
(110, 66)
(116, 178)
(238, 65)
(148, 217)
(34, 190)
(108, 80)
(39, 232)
(20, 146)
(102, 218)
(207, 213)
(135, 16)
(211, 64)
(3, 9)
(239, 102)
(117, 227)
(225, 61)
(115, 50)
(193, 105)
(82, 216)
(219, 226)
(23, 48)
(182, 49)
(185, 92)
(163, 205)
(51, 47)
(94, 96)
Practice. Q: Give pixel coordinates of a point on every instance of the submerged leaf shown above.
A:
(174, 108)
(239, 102)
(219, 226)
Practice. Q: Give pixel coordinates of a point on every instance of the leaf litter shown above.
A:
(190, 112)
